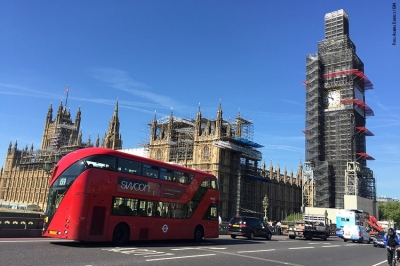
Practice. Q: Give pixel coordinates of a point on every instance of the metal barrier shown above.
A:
(20, 227)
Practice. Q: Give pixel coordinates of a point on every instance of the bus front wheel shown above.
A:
(198, 233)
(121, 234)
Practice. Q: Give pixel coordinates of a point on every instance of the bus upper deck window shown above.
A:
(128, 166)
(150, 171)
(165, 174)
(101, 161)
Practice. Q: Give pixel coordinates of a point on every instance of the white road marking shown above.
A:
(143, 253)
(182, 257)
(134, 251)
(250, 251)
(117, 249)
(379, 263)
(183, 248)
(157, 255)
(301, 248)
(331, 246)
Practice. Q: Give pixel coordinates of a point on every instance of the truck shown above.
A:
(373, 226)
(312, 226)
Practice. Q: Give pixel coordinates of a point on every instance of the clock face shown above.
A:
(332, 98)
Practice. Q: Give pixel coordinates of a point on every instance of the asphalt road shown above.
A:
(223, 251)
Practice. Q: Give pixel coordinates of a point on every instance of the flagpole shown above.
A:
(66, 100)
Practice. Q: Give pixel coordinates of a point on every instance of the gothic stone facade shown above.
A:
(24, 179)
(217, 147)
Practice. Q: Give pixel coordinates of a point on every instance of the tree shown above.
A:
(389, 211)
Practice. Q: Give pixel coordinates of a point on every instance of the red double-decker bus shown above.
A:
(99, 194)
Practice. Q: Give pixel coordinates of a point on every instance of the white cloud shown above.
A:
(120, 80)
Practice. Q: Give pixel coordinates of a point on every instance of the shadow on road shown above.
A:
(223, 240)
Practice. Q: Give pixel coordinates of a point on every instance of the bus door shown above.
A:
(97, 219)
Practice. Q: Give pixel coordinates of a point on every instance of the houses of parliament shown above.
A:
(218, 146)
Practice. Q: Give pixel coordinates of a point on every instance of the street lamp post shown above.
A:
(265, 205)
(48, 165)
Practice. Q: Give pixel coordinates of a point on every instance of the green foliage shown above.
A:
(389, 211)
(294, 217)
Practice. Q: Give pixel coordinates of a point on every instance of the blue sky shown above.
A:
(158, 55)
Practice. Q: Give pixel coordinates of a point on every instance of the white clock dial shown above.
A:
(332, 98)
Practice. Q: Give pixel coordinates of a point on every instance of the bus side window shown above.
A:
(128, 166)
(180, 177)
(206, 183)
(150, 171)
(165, 174)
(183, 179)
(102, 161)
(191, 176)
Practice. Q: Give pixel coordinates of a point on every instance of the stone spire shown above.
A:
(49, 115)
(112, 139)
(88, 144)
(238, 129)
(9, 147)
(153, 134)
(78, 118)
(299, 174)
(218, 122)
(198, 123)
(97, 141)
(170, 125)
(291, 178)
(79, 140)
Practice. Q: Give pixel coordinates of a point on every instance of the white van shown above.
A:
(356, 233)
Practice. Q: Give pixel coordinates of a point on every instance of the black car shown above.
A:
(378, 240)
(249, 227)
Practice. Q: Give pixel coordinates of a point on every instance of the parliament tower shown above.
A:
(336, 150)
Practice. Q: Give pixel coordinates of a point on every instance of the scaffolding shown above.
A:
(236, 135)
(360, 181)
(335, 135)
(61, 136)
(308, 191)
(181, 138)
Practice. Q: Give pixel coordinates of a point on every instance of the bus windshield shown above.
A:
(61, 185)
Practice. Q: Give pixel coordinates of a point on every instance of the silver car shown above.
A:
(378, 240)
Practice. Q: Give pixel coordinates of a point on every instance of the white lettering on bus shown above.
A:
(135, 186)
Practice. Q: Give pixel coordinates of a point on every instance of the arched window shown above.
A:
(159, 155)
(206, 152)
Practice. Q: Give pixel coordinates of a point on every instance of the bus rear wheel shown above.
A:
(198, 233)
(121, 234)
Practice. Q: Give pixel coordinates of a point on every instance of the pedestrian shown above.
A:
(278, 227)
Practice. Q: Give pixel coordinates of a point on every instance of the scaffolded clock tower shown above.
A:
(336, 158)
